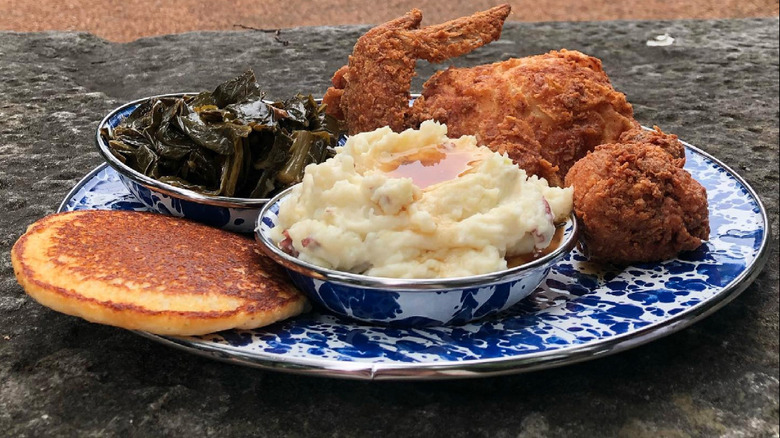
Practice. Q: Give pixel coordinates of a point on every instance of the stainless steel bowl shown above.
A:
(411, 302)
(234, 214)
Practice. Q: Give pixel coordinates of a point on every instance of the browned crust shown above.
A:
(373, 90)
(95, 246)
(635, 204)
(545, 111)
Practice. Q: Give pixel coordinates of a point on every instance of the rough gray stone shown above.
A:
(716, 87)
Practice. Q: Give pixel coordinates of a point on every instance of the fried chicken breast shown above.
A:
(544, 111)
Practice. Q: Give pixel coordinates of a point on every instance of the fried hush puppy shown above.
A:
(668, 142)
(635, 203)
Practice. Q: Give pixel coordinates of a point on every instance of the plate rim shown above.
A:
(471, 368)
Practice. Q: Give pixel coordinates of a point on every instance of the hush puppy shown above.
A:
(635, 203)
(668, 142)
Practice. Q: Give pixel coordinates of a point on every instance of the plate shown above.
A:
(581, 311)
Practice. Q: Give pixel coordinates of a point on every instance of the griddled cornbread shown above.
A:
(151, 272)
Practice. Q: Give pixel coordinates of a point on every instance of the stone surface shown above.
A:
(716, 87)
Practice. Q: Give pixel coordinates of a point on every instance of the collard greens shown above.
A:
(229, 142)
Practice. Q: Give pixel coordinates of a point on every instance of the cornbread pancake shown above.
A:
(151, 272)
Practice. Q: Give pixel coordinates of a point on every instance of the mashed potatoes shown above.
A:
(417, 204)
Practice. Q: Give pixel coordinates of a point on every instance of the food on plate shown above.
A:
(229, 142)
(636, 204)
(372, 91)
(418, 204)
(544, 111)
(151, 272)
(668, 142)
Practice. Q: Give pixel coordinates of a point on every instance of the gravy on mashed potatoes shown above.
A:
(418, 204)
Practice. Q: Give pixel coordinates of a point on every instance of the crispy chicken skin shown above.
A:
(373, 89)
(544, 111)
(635, 204)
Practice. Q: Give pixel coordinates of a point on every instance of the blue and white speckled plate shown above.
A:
(580, 312)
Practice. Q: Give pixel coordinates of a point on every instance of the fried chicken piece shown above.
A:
(373, 90)
(545, 111)
(634, 204)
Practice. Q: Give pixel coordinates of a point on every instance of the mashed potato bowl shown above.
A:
(411, 302)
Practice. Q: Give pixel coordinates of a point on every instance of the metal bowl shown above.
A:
(234, 214)
(411, 302)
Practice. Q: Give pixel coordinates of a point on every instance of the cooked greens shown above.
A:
(229, 142)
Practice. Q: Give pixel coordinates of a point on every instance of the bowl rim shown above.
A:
(158, 186)
(406, 284)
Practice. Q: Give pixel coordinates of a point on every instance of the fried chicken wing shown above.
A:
(544, 111)
(373, 90)
(635, 204)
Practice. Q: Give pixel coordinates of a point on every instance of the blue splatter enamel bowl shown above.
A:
(411, 302)
(229, 213)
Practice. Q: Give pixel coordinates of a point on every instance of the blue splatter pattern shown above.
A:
(420, 308)
(578, 306)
